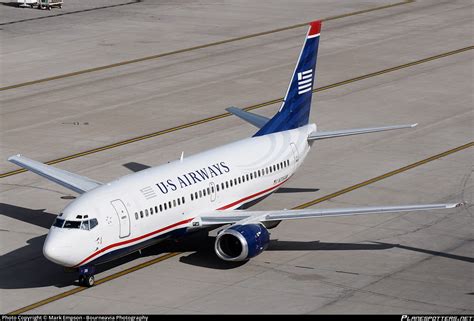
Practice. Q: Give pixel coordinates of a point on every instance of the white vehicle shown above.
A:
(209, 189)
(27, 3)
(41, 4)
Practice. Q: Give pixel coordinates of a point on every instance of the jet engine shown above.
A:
(242, 242)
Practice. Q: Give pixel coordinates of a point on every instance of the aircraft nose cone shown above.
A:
(51, 252)
(57, 253)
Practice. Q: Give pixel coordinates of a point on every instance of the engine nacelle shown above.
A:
(242, 242)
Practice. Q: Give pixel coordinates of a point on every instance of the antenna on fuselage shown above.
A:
(182, 157)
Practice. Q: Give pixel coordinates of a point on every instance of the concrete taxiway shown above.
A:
(394, 263)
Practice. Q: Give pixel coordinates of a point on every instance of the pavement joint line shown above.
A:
(302, 206)
(212, 44)
(223, 115)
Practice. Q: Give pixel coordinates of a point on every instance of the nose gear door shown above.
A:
(123, 216)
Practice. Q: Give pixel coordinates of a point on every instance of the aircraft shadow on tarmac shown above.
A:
(26, 267)
(27, 215)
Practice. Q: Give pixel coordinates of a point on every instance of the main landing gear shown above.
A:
(86, 276)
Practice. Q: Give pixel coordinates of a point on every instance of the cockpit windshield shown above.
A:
(58, 222)
(83, 225)
(72, 224)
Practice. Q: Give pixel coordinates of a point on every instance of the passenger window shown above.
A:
(179, 201)
(200, 194)
(217, 187)
(141, 214)
(161, 208)
(146, 212)
(164, 205)
(204, 192)
(192, 197)
(169, 204)
(227, 184)
(136, 215)
(174, 203)
(182, 200)
(208, 191)
(251, 175)
(151, 210)
(156, 209)
(231, 183)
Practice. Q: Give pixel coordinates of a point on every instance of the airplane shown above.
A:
(210, 189)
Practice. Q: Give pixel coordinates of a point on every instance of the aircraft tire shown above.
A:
(89, 280)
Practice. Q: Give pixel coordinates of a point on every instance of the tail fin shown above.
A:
(294, 111)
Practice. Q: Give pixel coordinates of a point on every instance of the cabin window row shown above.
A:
(160, 208)
(240, 180)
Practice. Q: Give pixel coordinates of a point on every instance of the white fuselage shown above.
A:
(142, 207)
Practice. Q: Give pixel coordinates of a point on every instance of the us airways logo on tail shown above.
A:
(305, 81)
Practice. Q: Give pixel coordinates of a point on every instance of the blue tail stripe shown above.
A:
(296, 106)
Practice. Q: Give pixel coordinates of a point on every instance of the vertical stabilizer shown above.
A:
(294, 111)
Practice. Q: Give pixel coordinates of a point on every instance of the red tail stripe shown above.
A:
(315, 28)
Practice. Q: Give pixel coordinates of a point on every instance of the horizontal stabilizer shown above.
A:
(349, 132)
(77, 183)
(249, 217)
(254, 119)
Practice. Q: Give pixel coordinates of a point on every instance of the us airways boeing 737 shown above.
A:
(212, 188)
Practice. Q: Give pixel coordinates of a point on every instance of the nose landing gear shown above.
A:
(86, 276)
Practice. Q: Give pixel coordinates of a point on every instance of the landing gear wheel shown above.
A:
(86, 280)
(89, 280)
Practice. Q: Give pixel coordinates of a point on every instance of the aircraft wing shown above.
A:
(249, 217)
(77, 183)
(349, 132)
(254, 119)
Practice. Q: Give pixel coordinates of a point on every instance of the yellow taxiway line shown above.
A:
(132, 61)
(223, 115)
(305, 205)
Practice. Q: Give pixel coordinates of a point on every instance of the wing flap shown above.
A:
(77, 183)
(350, 132)
(248, 217)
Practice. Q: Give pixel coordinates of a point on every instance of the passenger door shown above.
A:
(123, 216)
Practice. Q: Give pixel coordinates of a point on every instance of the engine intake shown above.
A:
(242, 242)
